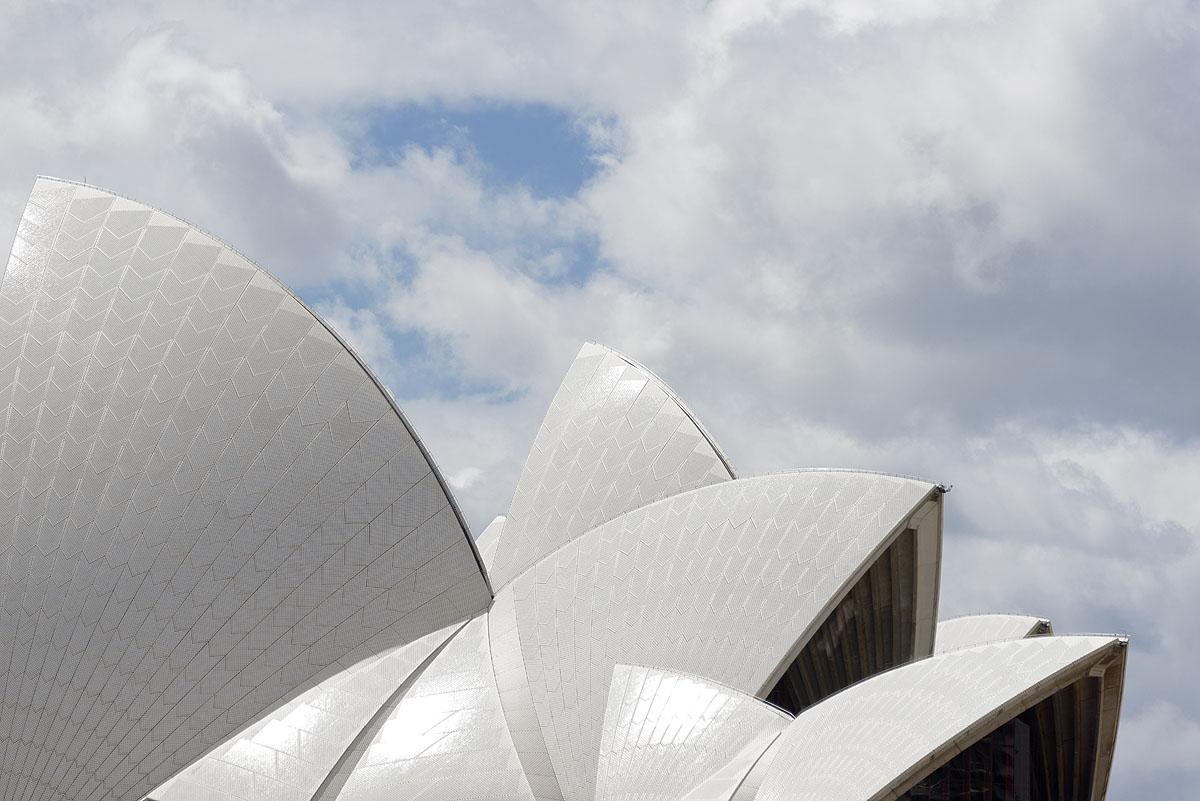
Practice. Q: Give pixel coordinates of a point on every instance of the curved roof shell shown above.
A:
(209, 501)
(664, 731)
(294, 751)
(727, 581)
(970, 630)
(874, 740)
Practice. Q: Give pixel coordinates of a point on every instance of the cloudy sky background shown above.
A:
(949, 239)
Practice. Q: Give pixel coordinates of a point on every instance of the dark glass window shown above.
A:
(870, 631)
(1047, 753)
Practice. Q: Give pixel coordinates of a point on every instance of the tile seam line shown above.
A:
(462, 520)
(376, 722)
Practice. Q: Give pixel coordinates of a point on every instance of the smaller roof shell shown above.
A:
(665, 731)
(969, 630)
(875, 739)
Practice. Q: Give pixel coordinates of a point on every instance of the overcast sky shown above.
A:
(950, 239)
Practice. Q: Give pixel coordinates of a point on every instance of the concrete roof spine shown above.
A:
(969, 630)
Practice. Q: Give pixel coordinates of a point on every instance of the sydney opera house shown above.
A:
(233, 571)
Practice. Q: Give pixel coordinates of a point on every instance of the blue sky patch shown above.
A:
(536, 145)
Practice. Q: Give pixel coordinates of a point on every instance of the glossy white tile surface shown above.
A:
(733, 780)
(447, 738)
(206, 500)
(876, 738)
(615, 438)
(664, 732)
(723, 582)
(288, 753)
(964, 632)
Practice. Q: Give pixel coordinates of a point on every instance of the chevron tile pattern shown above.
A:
(615, 438)
(663, 731)
(721, 582)
(205, 500)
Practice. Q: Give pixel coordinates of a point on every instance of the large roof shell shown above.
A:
(209, 500)
(726, 581)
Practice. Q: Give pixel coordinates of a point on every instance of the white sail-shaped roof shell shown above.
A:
(615, 438)
(665, 731)
(726, 581)
(969, 630)
(207, 500)
(875, 739)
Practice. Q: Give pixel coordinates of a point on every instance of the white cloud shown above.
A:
(950, 239)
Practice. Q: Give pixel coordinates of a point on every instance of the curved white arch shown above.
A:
(727, 581)
(615, 438)
(877, 738)
(665, 731)
(970, 630)
(447, 737)
(288, 754)
(210, 500)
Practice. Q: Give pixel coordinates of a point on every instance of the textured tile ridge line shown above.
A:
(666, 732)
(383, 390)
(289, 752)
(332, 786)
(173, 414)
(516, 701)
(447, 738)
(876, 738)
(969, 630)
(722, 581)
(725, 783)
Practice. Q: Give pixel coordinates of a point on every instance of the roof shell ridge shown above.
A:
(674, 396)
